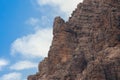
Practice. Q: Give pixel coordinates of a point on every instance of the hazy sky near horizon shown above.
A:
(26, 33)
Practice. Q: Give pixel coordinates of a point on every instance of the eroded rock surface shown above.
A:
(87, 46)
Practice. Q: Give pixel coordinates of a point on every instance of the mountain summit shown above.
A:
(87, 46)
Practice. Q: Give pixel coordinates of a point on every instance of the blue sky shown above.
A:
(26, 33)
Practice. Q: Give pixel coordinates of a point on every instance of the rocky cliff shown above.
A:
(87, 46)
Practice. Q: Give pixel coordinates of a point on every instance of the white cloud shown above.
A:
(33, 45)
(3, 63)
(65, 5)
(33, 21)
(11, 76)
(37, 22)
(23, 65)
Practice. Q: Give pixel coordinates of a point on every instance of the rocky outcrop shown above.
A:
(87, 46)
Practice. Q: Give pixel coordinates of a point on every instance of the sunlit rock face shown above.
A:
(87, 46)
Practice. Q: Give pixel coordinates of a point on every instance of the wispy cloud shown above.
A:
(11, 76)
(22, 65)
(3, 63)
(66, 6)
(33, 45)
(33, 21)
(36, 23)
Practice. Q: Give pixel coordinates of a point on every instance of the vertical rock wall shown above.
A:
(87, 46)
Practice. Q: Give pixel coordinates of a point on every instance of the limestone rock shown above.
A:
(87, 46)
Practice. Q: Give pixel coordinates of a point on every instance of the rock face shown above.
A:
(87, 46)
